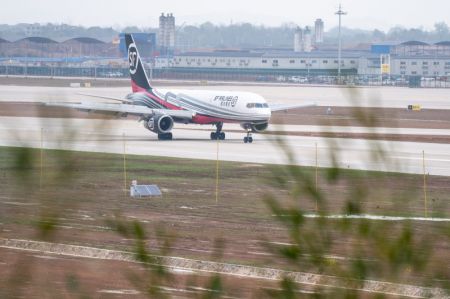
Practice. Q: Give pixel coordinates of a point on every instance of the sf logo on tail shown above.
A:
(133, 58)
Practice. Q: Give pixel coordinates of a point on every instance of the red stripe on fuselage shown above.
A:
(161, 101)
(137, 88)
(197, 119)
(204, 120)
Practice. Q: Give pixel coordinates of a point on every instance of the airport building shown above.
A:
(259, 63)
(91, 57)
(308, 63)
(146, 43)
(413, 58)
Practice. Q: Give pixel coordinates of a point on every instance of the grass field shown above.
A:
(80, 199)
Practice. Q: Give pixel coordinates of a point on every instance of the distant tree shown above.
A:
(131, 29)
(378, 36)
(236, 35)
(442, 31)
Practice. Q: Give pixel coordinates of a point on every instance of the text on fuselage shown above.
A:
(227, 101)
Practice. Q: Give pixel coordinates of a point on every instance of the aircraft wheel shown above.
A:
(246, 139)
(250, 139)
(222, 136)
(213, 136)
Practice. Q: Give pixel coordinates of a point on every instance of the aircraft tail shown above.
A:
(139, 79)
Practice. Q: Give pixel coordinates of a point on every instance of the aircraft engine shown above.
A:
(159, 124)
(256, 128)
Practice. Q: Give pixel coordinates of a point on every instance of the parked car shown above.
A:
(298, 79)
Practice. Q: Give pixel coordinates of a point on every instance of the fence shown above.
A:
(349, 77)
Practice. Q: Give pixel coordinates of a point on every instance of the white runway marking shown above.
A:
(379, 217)
(371, 286)
(119, 292)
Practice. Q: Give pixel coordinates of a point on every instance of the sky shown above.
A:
(364, 14)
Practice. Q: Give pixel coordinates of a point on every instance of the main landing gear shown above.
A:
(248, 138)
(218, 134)
(165, 136)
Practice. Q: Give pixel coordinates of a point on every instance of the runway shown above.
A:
(190, 142)
(387, 97)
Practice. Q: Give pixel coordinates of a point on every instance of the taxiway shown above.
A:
(190, 142)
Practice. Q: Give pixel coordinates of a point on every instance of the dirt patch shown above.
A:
(366, 117)
(368, 136)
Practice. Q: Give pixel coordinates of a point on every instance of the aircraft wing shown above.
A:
(281, 107)
(124, 109)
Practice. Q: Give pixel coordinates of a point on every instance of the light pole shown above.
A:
(340, 13)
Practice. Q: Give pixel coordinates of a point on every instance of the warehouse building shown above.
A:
(42, 47)
(283, 62)
(412, 58)
(406, 59)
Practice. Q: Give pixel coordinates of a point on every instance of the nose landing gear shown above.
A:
(218, 134)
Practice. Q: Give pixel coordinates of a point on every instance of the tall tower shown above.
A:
(340, 13)
(162, 31)
(307, 40)
(166, 35)
(170, 31)
(298, 40)
(318, 31)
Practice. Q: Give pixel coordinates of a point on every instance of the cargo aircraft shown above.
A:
(159, 109)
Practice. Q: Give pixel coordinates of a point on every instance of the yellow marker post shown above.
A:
(217, 173)
(425, 185)
(317, 166)
(41, 159)
(124, 165)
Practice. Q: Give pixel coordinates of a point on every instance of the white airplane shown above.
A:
(159, 109)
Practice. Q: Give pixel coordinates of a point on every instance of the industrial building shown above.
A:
(166, 35)
(318, 31)
(303, 40)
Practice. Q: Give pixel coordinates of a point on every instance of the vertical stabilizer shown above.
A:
(139, 79)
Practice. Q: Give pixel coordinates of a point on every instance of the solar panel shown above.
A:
(154, 190)
(145, 190)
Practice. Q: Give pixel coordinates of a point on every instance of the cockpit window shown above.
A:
(257, 105)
